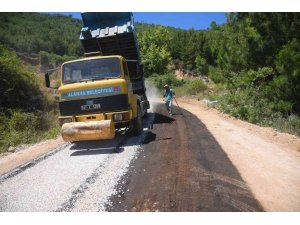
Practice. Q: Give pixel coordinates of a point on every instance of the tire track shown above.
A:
(79, 196)
(32, 163)
(79, 192)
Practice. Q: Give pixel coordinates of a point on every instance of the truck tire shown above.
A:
(138, 122)
(145, 114)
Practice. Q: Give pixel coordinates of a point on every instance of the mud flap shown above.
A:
(90, 130)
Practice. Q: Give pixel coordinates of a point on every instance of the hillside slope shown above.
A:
(35, 32)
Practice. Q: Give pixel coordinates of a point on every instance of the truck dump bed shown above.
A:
(110, 34)
(113, 33)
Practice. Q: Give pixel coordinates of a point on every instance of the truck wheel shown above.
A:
(138, 122)
(145, 114)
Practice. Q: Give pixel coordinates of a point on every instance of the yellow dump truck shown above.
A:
(105, 90)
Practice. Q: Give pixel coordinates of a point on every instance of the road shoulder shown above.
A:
(27, 154)
(268, 160)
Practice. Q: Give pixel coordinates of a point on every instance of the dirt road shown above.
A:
(198, 161)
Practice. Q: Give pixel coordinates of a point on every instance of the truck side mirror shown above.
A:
(47, 80)
(56, 97)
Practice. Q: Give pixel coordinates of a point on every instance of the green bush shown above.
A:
(27, 113)
(254, 98)
(168, 78)
(181, 87)
(51, 60)
(193, 87)
(201, 65)
(26, 128)
(216, 75)
(291, 124)
(18, 88)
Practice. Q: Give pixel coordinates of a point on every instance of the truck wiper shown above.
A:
(83, 80)
(70, 81)
(111, 77)
(103, 78)
(97, 78)
(91, 79)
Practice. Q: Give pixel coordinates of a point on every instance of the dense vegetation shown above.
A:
(35, 32)
(253, 61)
(26, 112)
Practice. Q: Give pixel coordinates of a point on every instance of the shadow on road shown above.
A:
(93, 148)
(116, 145)
(185, 171)
(149, 138)
(160, 118)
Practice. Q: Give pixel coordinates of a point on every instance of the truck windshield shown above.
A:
(94, 69)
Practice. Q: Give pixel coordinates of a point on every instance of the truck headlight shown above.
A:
(118, 117)
(121, 116)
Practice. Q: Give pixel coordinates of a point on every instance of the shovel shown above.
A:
(178, 106)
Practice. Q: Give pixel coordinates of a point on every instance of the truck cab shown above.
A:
(105, 90)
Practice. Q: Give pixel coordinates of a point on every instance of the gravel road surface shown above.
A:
(78, 177)
(190, 162)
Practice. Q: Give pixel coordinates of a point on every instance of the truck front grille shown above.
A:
(107, 104)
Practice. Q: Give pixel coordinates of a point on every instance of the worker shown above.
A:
(169, 94)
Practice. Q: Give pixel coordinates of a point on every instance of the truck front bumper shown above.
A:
(88, 130)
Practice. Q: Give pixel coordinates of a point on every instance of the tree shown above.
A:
(154, 46)
(156, 60)
(288, 81)
(230, 45)
(201, 65)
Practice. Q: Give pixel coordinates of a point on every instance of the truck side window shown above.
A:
(125, 69)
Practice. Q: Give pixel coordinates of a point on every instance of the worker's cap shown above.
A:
(166, 85)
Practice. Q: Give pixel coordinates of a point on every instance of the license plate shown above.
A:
(90, 107)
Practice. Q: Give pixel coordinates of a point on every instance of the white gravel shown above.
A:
(72, 180)
(95, 198)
